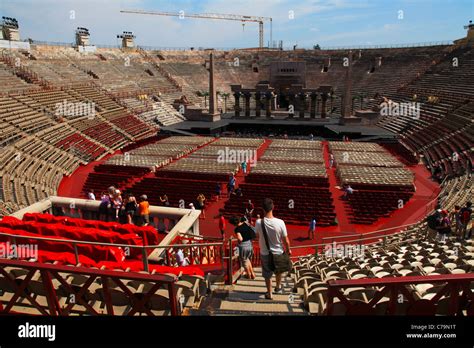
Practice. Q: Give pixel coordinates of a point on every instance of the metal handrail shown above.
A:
(348, 241)
(103, 243)
(323, 48)
(402, 45)
(76, 242)
(200, 236)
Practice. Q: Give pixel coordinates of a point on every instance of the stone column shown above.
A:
(302, 105)
(292, 100)
(247, 104)
(313, 106)
(257, 103)
(324, 98)
(237, 104)
(268, 104)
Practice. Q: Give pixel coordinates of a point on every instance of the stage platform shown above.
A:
(331, 125)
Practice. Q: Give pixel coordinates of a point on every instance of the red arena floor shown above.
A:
(417, 207)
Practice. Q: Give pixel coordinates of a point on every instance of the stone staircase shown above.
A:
(247, 297)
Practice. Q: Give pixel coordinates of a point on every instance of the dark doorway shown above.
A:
(283, 100)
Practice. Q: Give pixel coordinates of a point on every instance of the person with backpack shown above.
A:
(444, 227)
(464, 219)
(245, 234)
(274, 248)
(434, 221)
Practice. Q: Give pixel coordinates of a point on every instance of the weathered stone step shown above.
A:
(267, 306)
(247, 297)
(260, 296)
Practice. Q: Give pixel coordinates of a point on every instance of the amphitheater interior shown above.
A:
(51, 158)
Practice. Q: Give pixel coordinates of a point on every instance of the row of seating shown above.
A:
(407, 254)
(27, 178)
(23, 114)
(130, 124)
(295, 204)
(102, 131)
(163, 114)
(376, 177)
(123, 169)
(380, 182)
(443, 127)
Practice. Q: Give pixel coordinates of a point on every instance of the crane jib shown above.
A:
(231, 17)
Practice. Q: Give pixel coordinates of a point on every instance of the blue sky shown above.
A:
(326, 22)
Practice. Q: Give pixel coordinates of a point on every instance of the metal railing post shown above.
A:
(222, 247)
(173, 299)
(145, 259)
(76, 253)
(168, 259)
(230, 276)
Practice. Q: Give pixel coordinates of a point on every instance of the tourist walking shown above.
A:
(312, 228)
(274, 248)
(144, 210)
(130, 204)
(231, 184)
(245, 234)
(164, 200)
(201, 205)
(244, 167)
(222, 225)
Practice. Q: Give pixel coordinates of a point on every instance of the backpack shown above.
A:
(433, 221)
(464, 215)
(253, 233)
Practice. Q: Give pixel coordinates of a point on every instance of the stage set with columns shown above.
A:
(310, 103)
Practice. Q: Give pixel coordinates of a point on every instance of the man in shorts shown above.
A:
(278, 242)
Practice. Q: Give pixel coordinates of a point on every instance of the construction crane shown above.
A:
(229, 17)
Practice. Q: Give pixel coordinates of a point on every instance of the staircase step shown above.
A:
(260, 296)
(247, 297)
(262, 306)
